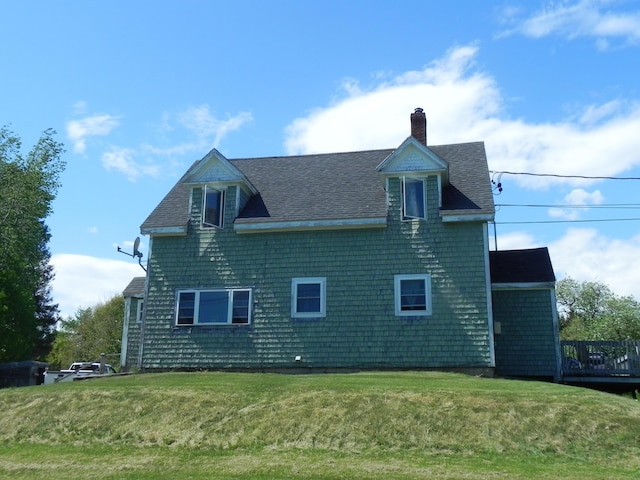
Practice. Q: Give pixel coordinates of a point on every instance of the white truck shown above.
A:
(78, 370)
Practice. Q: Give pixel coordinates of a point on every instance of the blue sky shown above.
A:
(137, 91)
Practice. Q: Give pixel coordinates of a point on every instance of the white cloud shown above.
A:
(588, 255)
(452, 96)
(122, 160)
(92, 229)
(97, 125)
(512, 241)
(584, 18)
(80, 107)
(463, 104)
(208, 129)
(593, 114)
(82, 281)
(578, 198)
(203, 132)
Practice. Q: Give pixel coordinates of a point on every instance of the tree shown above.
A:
(28, 186)
(591, 311)
(90, 332)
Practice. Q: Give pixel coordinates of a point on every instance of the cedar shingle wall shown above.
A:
(360, 329)
(526, 345)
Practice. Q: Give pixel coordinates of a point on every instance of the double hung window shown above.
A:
(308, 297)
(213, 207)
(214, 307)
(413, 198)
(412, 295)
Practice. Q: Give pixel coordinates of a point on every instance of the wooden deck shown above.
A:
(608, 365)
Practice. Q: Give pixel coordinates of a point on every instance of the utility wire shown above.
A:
(569, 221)
(622, 206)
(585, 177)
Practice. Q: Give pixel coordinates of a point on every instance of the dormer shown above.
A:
(413, 162)
(214, 175)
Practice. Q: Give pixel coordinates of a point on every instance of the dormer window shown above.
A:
(413, 198)
(213, 208)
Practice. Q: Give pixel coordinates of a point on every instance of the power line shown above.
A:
(622, 206)
(555, 175)
(569, 221)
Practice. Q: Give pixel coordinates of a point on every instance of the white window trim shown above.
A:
(406, 217)
(204, 207)
(412, 313)
(322, 281)
(196, 306)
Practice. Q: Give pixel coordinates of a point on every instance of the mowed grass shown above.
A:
(371, 425)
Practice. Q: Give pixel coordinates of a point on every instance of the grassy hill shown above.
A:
(367, 425)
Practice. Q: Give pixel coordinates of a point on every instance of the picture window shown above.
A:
(213, 307)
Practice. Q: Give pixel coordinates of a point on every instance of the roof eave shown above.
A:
(467, 217)
(523, 285)
(309, 225)
(164, 231)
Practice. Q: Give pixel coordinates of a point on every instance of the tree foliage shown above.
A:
(591, 311)
(28, 186)
(90, 332)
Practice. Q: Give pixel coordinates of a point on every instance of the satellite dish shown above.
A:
(136, 244)
(136, 252)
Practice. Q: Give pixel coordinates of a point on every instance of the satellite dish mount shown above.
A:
(136, 253)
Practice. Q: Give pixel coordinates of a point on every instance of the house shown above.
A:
(357, 260)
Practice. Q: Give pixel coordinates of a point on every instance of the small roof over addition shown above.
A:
(521, 266)
(135, 287)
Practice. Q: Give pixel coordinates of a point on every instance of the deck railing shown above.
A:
(600, 359)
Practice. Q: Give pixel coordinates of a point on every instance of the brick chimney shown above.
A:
(419, 126)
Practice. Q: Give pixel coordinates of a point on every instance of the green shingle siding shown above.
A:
(360, 328)
(527, 343)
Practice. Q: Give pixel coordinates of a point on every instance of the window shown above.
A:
(308, 297)
(214, 307)
(413, 198)
(139, 311)
(213, 208)
(412, 295)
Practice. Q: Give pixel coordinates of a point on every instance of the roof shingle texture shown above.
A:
(521, 266)
(135, 287)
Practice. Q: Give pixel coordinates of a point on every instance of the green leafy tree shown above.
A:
(28, 186)
(591, 311)
(90, 332)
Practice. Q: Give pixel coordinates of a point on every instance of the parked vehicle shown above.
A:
(77, 370)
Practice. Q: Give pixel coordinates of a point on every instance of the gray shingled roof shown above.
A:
(521, 266)
(336, 186)
(469, 189)
(135, 287)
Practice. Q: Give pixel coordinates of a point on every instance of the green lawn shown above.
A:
(366, 425)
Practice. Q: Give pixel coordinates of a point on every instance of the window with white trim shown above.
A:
(213, 307)
(413, 198)
(412, 295)
(308, 297)
(213, 207)
(139, 310)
